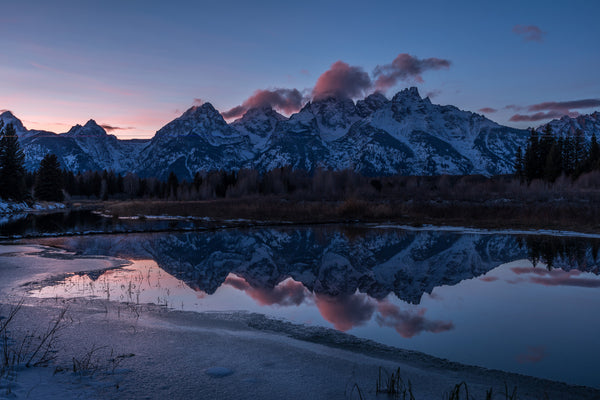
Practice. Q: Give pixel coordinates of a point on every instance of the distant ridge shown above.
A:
(406, 135)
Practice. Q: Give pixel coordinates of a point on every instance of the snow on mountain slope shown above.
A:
(104, 149)
(445, 139)
(258, 124)
(8, 118)
(588, 124)
(198, 140)
(374, 136)
(333, 116)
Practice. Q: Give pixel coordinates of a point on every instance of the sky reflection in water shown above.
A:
(515, 317)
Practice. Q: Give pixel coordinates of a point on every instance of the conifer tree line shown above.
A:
(548, 156)
(12, 171)
(15, 182)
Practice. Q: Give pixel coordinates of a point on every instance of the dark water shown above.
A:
(522, 304)
(82, 222)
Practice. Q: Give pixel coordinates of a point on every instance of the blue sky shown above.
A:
(138, 64)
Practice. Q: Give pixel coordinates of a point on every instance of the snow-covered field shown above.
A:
(147, 351)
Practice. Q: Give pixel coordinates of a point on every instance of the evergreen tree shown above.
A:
(533, 166)
(552, 169)
(12, 170)
(593, 160)
(172, 185)
(578, 148)
(519, 173)
(49, 180)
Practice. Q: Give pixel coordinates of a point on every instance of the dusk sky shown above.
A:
(136, 65)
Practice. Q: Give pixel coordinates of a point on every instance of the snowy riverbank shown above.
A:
(12, 207)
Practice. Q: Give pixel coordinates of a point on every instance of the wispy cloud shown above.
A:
(409, 323)
(541, 116)
(552, 109)
(565, 105)
(487, 110)
(285, 100)
(558, 277)
(404, 67)
(433, 93)
(345, 311)
(529, 33)
(534, 354)
(110, 128)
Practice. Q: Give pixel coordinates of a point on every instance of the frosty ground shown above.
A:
(147, 351)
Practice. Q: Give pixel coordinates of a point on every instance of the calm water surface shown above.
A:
(520, 304)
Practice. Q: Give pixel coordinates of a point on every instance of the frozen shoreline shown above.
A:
(484, 231)
(176, 354)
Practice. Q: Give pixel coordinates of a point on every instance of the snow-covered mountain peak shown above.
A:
(408, 95)
(333, 116)
(371, 103)
(258, 124)
(203, 121)
(206, 110)
(587, 123)
(9, 118)
(259, 113)
(90, 129)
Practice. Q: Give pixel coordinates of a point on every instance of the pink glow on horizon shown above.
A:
(60, 115)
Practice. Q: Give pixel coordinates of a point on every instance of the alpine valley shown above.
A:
(406, 135)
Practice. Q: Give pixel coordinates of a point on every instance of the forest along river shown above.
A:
(525, 304)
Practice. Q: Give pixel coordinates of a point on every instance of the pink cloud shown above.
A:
(488, 278)
(534, 354)
(539, 116)
(342, 80)
(557, 277)
(487, 110)
(110, 128)
(529, 33)
(409, 323)
(514, 107)
(198, 102)
(285, 100)
(565, 105)
(287, 293)
(433, 93)
(345, 311)
(552, 109)
(405, 67)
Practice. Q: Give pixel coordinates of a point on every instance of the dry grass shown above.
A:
(569, 214)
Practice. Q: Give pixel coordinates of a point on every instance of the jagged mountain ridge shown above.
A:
(82, 148)
(588, 124)
(375, 136)
(325, 260)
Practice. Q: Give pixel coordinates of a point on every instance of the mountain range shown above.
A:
(329, 260)
(406, 135)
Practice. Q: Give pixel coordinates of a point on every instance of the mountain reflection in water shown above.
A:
(330, 261)
(472, 298)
